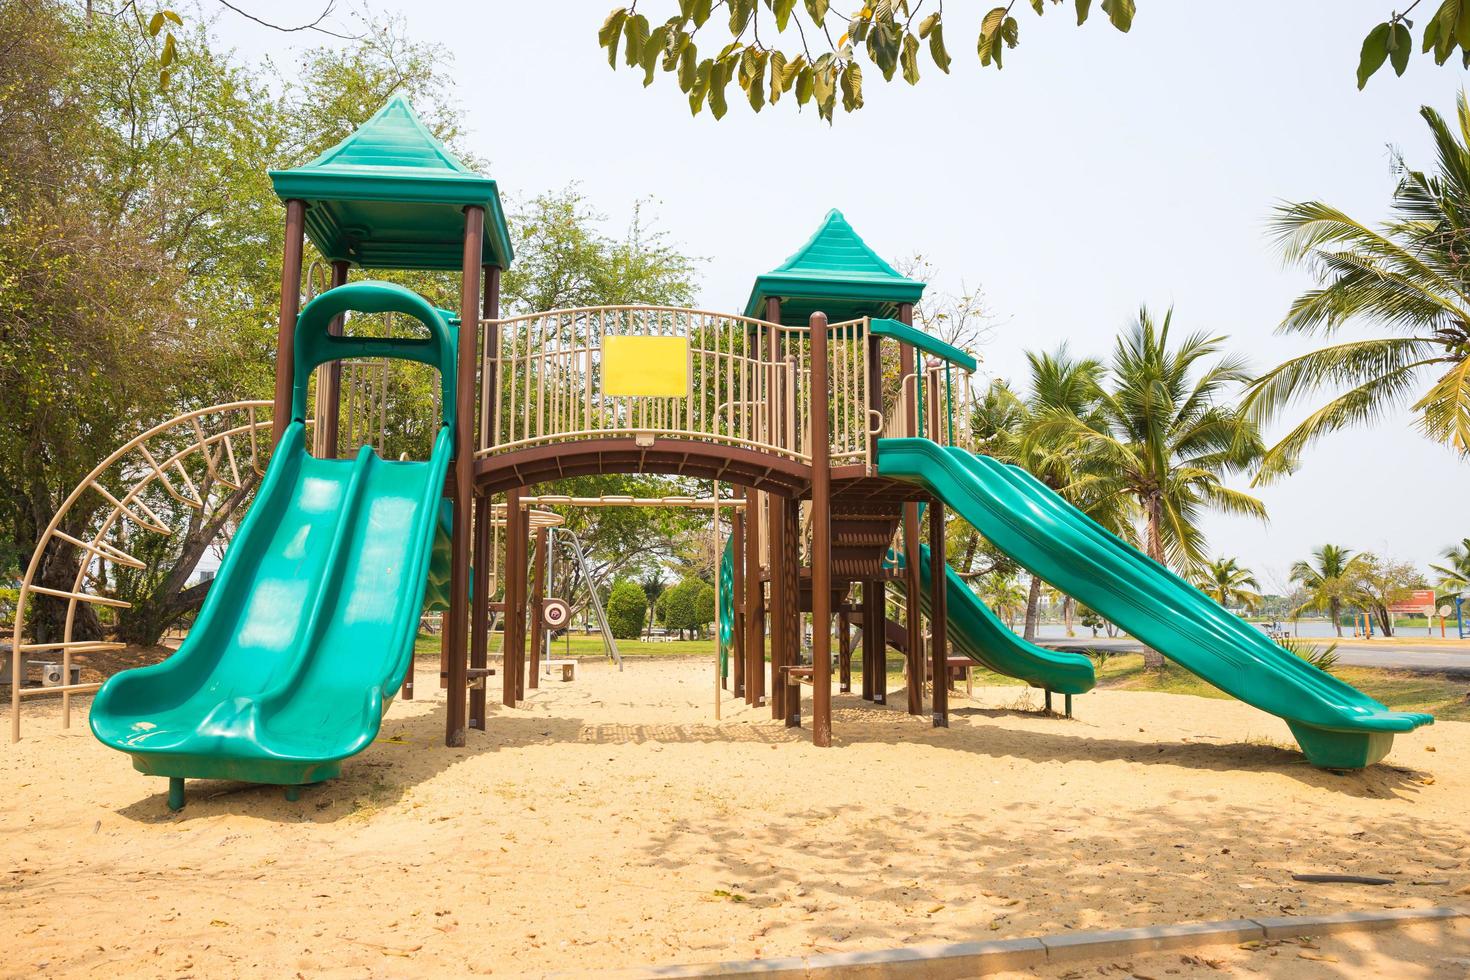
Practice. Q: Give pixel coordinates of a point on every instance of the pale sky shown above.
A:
(1096, 172)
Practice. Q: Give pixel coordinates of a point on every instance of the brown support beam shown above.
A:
(844, 653)
(329, 381)
(523, 531)
(737, 594)
(480, 610)
(464, 477)
(914, 654)
(286, 321)
(880, 641)
(515, 599)
(755, 614)
(821, 536)
(538, 595)
(780, 601)
(939, 616)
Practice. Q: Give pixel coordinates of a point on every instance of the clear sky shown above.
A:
(1096, 172)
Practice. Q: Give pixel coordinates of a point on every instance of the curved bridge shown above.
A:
(615, 389)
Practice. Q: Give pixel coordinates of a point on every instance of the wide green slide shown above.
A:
(308, 629)
(1336, 725)
(976, 632)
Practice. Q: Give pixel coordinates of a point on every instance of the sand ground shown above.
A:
(611, 822)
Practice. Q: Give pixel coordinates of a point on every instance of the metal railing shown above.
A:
(228, 444)
(749, 383)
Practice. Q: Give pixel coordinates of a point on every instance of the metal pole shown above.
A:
(821, 537)
(286, 322)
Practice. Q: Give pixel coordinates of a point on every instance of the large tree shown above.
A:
(1407, 281)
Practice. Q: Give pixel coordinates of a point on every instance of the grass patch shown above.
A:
(1446, 698)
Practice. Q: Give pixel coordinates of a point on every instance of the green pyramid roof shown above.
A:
(835, 272)
(391, 196)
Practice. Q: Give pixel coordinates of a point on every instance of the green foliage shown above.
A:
(1225, 581)
(1445, 31)
(882, 33)
(1324, 658)
(9, 596)
(1327, 578)
(1164, 433)
(690, 605)
(626, 607)
(1454, 574)
(1405, 281)
(1377, 583)
(563, 260)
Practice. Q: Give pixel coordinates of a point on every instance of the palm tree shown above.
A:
(653, 585)
(1455, 573)
(1161, 435)
(1059, 384)
(1225, 581)
(1328, 579)
(1410, 279)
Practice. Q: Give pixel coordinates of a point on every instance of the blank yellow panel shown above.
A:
(645, 367)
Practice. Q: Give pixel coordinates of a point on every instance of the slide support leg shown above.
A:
(176, 793)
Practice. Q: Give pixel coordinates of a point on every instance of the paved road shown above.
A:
(1359, 653)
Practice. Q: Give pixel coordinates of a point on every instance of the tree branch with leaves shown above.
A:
(886, 34)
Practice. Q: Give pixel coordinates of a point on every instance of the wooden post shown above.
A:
(515, 598)
(286, 321)
(480, 610)
(914, 654)
(821, 536)
(939, 615)
(755, 615)
(329, 385)
(780, 599)
(457, 618)
(523, 532)
(868, 658)
(538, 595)
(737, 596)
(844, 653)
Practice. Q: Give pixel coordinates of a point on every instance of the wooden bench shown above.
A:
(795, 677)
(965, 664)
(568, 668)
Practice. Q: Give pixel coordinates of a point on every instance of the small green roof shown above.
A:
(391, 196)
(835, 272)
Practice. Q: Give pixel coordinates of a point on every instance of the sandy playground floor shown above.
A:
(610, 822)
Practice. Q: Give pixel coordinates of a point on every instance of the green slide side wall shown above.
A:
(1336, 725)
(978, 633)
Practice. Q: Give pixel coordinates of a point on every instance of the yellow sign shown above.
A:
(645, 367)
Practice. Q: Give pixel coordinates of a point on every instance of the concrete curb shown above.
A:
(944, 961)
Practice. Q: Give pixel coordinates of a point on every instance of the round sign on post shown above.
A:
(555, 613)
(1446, 610)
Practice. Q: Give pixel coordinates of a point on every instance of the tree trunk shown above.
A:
(1153, 509)
(1334, 609)
(1069, 608)
(1033, 608)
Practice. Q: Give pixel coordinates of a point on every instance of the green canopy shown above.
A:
(391, 196)
(835, 272)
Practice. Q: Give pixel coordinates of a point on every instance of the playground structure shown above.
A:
(838, 421)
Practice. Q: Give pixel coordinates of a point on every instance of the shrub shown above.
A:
(626, 607)
(690, 605)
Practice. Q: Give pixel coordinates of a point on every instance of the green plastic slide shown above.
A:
(977, 633)
(1337, 726)
(309, 627)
